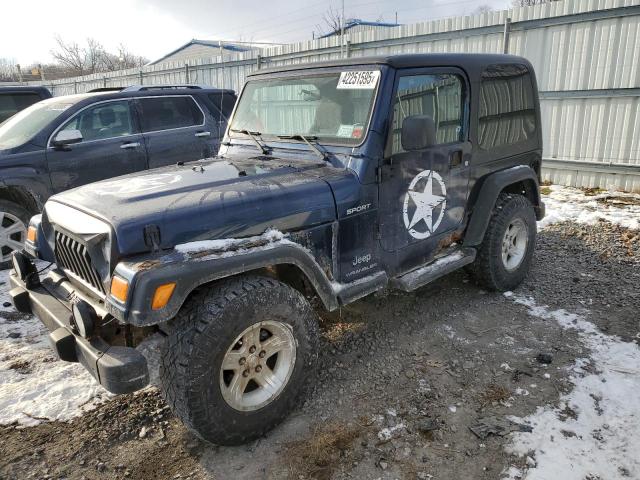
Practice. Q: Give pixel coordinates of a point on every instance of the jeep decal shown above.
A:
(424, 204)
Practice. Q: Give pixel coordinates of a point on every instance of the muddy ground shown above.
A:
(402, 378)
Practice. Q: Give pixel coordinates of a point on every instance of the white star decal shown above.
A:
(426, 202)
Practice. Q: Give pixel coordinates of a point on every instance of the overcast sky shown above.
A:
(153, 28)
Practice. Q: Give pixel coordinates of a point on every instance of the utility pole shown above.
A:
(342, 31)
(506, 35)
(396, 18)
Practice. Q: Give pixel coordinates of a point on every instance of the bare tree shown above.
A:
(331, 22)
(93, 57)
(482, 9)
(7, 70)
(529, 3)
(130, 60)
(70, 55)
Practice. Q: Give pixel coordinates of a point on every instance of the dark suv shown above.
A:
(335, 180)
(65, 142)
(16, 98)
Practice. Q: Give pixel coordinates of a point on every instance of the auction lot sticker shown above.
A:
(364, 80)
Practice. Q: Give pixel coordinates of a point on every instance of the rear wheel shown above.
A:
(238, 357)
(13, 230)
(506, 252)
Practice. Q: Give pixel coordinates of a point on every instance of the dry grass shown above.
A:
(545, 190)
(21, 366)
(591, 191)
(495, 393)
(318, 456)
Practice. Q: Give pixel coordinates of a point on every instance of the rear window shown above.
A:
(223, 102)
(12, 103)
(507, 106)
(164, 113)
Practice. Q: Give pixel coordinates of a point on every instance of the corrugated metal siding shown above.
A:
(574, 45)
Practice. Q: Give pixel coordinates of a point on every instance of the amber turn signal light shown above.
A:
(162, 295)
(119, 288)
(32, 234)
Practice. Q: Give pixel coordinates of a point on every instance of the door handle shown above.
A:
(203, 134)
(129, 145)
(455, 159)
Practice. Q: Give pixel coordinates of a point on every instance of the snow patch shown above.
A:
(34, 384)
(603, 441)
(571, 204)
(388, 433)
(223, 245)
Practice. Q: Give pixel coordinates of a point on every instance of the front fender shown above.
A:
(32, 188)
(191, 271)
(489, 191)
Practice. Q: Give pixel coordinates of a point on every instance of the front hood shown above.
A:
(208, 200)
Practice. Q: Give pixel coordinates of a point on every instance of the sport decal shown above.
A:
(424, 204)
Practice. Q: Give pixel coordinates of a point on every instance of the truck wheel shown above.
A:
(238, 357)
(13, 230)
(504, 257)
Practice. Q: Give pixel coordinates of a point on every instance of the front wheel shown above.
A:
(506, 252)
(238, 357)
(13, 230)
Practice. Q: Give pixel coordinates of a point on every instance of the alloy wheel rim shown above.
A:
(13, 234)
(257, 367)
(514, 244)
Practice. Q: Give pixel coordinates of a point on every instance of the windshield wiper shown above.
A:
(254, 136)
(307, 139)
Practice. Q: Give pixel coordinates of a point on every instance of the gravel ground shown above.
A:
(403, 377)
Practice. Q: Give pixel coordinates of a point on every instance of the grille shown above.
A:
(74, 258)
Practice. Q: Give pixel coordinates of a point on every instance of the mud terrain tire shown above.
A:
(200, 338)
(489, 268)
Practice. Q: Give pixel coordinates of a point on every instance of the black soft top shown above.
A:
(471, 62)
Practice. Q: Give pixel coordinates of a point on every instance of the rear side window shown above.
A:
(105, 120)
(507, 106)
(439, 96)
(223, 102)
(164, 113)
(14, 102)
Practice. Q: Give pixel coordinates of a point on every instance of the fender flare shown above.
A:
(488, 194)
(27, 190)
(145, 275)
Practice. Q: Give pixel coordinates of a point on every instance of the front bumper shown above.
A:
(117, 369)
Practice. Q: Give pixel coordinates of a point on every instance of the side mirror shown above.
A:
(418, 132)
(67, 137)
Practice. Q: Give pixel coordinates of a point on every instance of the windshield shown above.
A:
(25, 125)
(334, 108)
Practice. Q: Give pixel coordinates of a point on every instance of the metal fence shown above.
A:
(586, 54)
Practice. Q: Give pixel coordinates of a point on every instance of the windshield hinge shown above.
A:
(152, 237)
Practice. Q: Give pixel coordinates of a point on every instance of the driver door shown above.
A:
(423, 192)
(111, 146)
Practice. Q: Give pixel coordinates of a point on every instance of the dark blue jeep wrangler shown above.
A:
(335, 180)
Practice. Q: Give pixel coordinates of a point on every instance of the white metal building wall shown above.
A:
(586, 54)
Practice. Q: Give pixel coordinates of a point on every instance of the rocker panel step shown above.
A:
(434, 270)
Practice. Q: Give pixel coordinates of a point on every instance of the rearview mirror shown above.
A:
(67, 137)
(418, 132)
